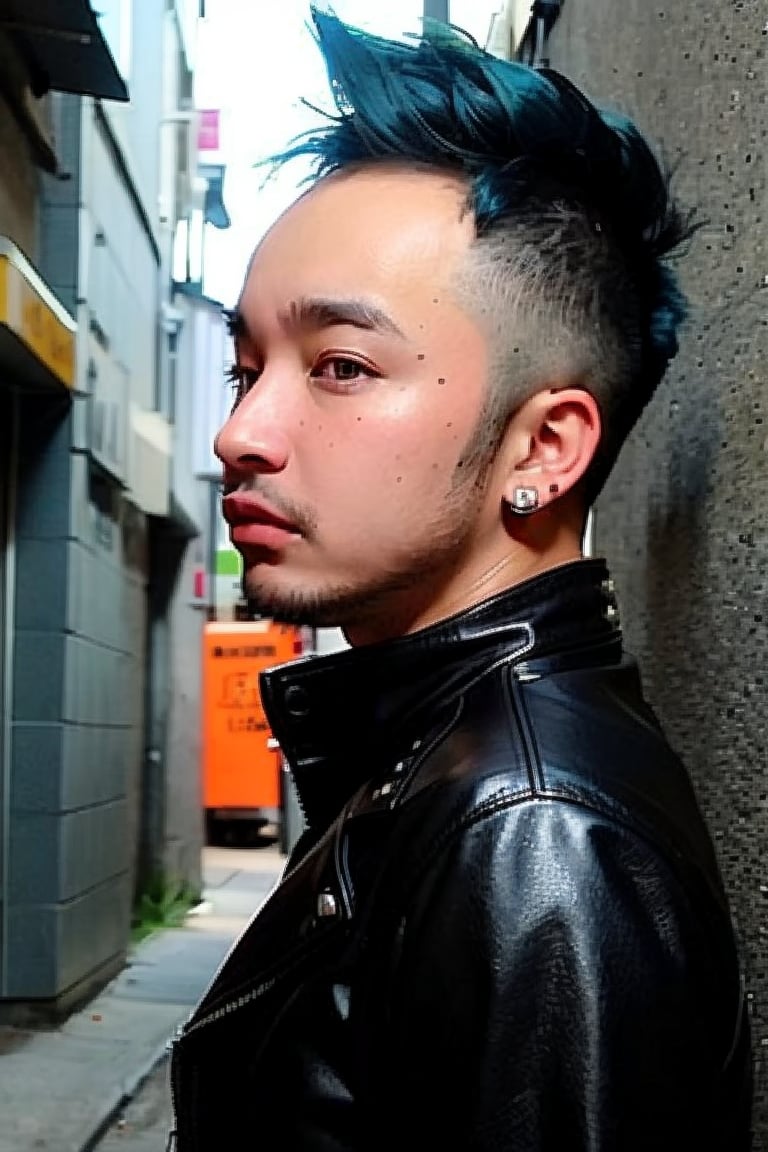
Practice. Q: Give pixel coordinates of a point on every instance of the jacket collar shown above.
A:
(340, 719)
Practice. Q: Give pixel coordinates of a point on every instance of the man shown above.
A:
(504, 929)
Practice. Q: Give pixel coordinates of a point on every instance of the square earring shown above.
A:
(524, 500)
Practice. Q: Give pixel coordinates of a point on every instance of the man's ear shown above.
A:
(552, 440)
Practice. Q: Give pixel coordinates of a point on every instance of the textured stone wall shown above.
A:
(683, 520)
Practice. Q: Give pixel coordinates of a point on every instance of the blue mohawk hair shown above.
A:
(522, 137)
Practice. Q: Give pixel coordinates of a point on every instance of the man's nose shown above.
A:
(253, 438)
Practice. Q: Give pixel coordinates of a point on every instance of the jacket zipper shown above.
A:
(173, 1138)
(232, 1006)
(181, 1031)
(248, 997)
(226, 1009)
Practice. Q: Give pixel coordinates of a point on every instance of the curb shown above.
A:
(123, 1096)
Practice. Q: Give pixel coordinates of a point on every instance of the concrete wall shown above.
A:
(77, 713)
(183, 829)
(135, 123)
(81, 607)
(58, 255)
(198, 368)
(75, 723)
(104, 757)
(174, 827)
(129, 300)
(119, 273)
(683, 520)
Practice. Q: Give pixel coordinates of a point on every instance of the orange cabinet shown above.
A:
(241, 767)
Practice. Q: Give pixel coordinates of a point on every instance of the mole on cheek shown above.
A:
(441, 379)
(420, 356)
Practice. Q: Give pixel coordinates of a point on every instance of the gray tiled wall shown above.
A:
(77, 733)
(60, 197)
(61, 945)
(183, 832)
(683, 520)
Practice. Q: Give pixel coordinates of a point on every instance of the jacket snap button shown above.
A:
(326, 905)
(297, 701)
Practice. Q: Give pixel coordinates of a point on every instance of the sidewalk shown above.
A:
(60, 1088)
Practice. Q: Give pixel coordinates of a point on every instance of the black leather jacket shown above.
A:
(504, 930)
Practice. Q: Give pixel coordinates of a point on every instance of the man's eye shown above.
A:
(342, 370)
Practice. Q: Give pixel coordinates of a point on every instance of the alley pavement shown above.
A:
(60, 1088)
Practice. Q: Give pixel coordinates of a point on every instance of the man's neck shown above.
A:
(515, 566)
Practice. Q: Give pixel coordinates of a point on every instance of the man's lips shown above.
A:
(253, 522)
(239, 509)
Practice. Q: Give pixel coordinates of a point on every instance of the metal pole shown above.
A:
(437, 10)
(214, 490)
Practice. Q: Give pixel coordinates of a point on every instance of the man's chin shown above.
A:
(337, 606)
(292, 613)
(327, 609)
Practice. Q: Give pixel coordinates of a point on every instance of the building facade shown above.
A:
(89, 510)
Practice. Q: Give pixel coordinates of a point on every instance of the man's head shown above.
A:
(469, 300)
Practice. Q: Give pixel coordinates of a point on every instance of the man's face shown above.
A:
(356, 458)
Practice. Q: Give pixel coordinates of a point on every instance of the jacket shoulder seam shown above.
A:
(503, 798)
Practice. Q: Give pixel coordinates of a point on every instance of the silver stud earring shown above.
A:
(524, 500)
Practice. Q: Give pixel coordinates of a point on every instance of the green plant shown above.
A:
(164, 904)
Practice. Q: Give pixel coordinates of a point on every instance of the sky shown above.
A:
(255, 60)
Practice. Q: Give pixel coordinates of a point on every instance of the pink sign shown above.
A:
(208, 130)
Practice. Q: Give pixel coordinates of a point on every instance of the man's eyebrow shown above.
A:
(325, 312)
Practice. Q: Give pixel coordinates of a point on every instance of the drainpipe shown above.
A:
(8, 560)
(534, 44)
(437, 10)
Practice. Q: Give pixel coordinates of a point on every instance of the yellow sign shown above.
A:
(34, 315)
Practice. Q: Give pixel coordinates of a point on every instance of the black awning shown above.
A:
(63, 47)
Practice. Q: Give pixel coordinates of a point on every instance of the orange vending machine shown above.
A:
(241, 765)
